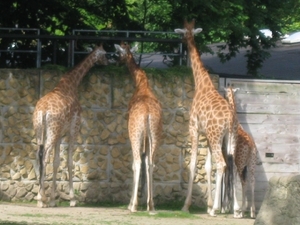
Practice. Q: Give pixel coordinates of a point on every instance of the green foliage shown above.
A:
(235, 23)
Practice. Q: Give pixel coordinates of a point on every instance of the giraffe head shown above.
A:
(123, 50)
(229, 96)
(99, 56)
(189, 29)
(229, 92)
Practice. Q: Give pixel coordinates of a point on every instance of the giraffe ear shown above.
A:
(235, 89)
(88, 49)
(197, 30)
(118, 48)
(134, 49)
(180, 31)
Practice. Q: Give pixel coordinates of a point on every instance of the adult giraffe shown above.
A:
(144, 127)
(55, 114)
(211, 116)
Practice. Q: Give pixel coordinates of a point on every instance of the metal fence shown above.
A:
(12, 46)
(71, 51)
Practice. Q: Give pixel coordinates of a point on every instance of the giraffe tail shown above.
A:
(40, 131)
(40, 159)
(143, 156)
(244, 174)
(228, 185)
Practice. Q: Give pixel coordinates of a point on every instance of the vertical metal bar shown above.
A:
(39, 51)
(181, 54)
(54, 52)
(72, 52)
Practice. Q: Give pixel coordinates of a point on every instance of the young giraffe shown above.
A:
(144, 126)
(55, 114)
(245, 156)
(210, 115)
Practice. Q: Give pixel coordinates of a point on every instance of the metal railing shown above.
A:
(85, 35)
(123, 35)
(12, 51)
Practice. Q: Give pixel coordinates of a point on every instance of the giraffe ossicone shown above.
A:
(58, 113)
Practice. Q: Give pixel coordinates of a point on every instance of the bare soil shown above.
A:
(29, 214)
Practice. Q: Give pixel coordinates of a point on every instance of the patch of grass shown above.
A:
(12, 223)
(167, 214)
(106, 204)
(177, 205)
(39, 215)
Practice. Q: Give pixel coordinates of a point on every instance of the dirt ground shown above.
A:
(28, 214)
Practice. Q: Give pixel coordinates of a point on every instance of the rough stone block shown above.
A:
(281, 204)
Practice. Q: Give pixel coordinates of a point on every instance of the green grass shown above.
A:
(164, 210)
(166, 214)
(38, 215)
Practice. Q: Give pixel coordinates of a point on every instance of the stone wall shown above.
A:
(102, 156)
(281, 204)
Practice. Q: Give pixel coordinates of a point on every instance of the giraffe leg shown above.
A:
(70, 171)
(221, 166)
(55, 168)
(40, 157)
(149, 168)
(208, 168)
(194, 137)
(43, 159)
(231, 150)
(252, 185)
(41, 197)
(225, 200)
(244, 190)
(237, 212)
(74, 129)
(136, 167)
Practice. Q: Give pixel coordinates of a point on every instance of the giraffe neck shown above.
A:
(71, 80)
(231, 100)
(139, 76)
(201, 76)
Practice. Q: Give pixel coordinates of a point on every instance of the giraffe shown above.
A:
(55, 114)
(211, 116)
(144, 127)
(245, 156)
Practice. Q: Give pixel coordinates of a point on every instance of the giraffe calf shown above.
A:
(245, 156)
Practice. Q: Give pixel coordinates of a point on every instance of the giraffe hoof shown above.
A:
(73, 203)
(52, 203)
(41, 204)
(185, 209)
(212, 213)
(152, 212)
(209, 209)
(132, 209)
(238, 215)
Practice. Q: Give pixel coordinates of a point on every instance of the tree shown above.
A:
(234, 23)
